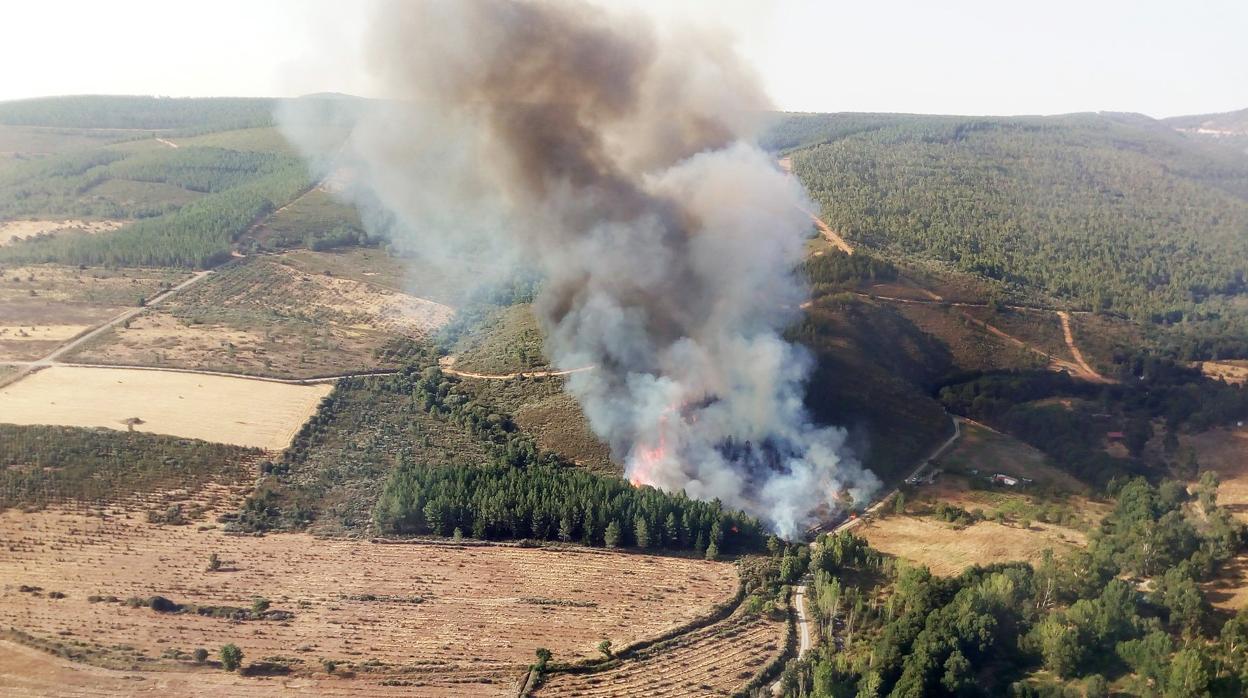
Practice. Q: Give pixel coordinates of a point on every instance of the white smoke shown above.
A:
(617, 160)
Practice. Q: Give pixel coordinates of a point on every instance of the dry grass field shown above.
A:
(1226, 452)
(717, 660)
(947, 550)
(267, 318)
(43, 305)
(12, 230)
(425, 278)
(1233, 372)
(441, 619)
(212, 408)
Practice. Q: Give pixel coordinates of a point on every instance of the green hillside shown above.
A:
(1107, 212)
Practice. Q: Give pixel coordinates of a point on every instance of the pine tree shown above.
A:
(641, 531)
(612, 535)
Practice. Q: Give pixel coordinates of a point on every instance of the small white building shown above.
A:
(1002, 479)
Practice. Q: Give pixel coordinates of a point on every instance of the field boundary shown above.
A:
(720, 612)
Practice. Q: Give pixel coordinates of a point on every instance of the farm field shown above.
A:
(213, 408)
(446, 619)
(263, 317)
(717, 660)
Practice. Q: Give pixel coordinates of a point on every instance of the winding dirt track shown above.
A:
(1074, 348)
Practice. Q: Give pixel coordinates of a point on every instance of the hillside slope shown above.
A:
(1105, 212)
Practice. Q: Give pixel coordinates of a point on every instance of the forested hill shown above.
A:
(1234, 122)
(1111, 212)
(135, 112)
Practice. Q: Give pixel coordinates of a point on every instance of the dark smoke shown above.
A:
(617, 160)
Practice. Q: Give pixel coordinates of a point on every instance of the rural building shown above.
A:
(1001, 479)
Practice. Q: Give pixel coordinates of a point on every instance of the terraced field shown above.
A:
(437, 619)
(718, 660)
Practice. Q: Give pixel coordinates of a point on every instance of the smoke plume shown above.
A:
(615, 158)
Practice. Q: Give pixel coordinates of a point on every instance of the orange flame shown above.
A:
(646, 459)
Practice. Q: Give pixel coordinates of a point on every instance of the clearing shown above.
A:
(44, 305)
(947, 549)
(1233, 372)
(1055, 506)
(13, 230)
(436, 618)
(1226, 452)
(263, 317)
(236, 411)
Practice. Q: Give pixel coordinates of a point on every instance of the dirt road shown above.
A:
(831, 235)
(447, 364)
(1078, 367)
(26, 367)
(803, 623)
(1074, 349)
(167, 142)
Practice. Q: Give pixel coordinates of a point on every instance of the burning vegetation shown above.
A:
(616, 159)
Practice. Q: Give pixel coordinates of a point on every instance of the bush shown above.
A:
(201, 655)
(231, 657)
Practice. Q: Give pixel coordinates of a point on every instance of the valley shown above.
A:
(377, 447)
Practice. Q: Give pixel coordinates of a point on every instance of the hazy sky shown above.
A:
(933, 56)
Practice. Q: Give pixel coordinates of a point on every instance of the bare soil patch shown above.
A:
(443, 619)
(212, 408)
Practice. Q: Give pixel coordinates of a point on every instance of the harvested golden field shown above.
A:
(263, 317)
(947, 550)
(236, 411)
(441, 618)
(13, 230)
(717, 660)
